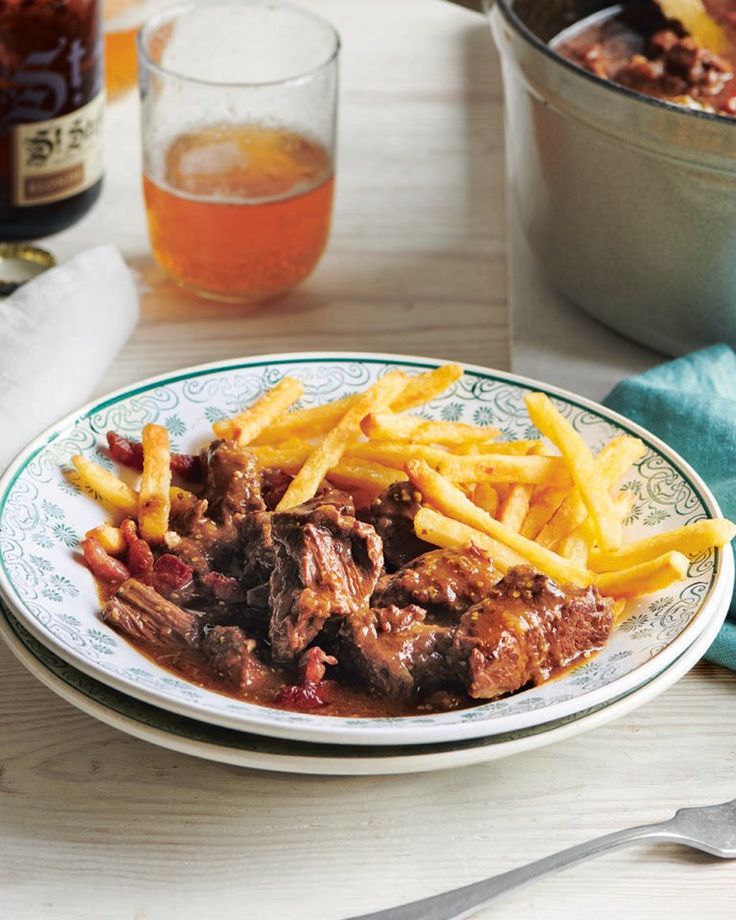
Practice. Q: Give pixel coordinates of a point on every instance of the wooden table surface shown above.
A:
(94, 824)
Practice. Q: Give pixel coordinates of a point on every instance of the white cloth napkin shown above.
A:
(58, 334)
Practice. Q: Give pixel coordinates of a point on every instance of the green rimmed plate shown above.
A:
(43, 513)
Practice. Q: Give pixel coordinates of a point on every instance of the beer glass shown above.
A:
(239, 101)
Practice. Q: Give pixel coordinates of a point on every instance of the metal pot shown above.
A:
(629, 203)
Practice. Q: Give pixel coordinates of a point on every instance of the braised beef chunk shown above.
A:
(224, 588)
(186, 521)
(274, 483)
(395, 652)
(259, 597)
(232, 656)
(527, 627)
(327, 565)
(329, 495)
(255, 530)
(206, 547)
(257, 547)
(445, 582)
(141, 613)
(393, 513)
(232, 483)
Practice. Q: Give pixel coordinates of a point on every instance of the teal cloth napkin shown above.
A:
(690, 403)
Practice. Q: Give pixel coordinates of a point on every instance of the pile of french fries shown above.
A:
(548, 503)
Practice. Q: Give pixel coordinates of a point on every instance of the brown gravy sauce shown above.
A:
(346, 700)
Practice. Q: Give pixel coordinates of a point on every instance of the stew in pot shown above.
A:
(637, 47)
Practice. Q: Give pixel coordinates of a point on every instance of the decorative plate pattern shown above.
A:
(44, 511)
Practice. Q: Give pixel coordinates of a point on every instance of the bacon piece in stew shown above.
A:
(130, 453)
(140, 556)
(170, 574)
(312, 691)
(224, 588)
(102, 564)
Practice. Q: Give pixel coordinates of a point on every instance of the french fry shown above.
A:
(390, 426)
(645, 578)
(423, 387)
(496, 468)
(690, 540)
(515, 448)
(364, 475)
(549, 471)
(623, 502)
(517, 502)
(306, 423)
(619, 611)
(330, 451)
(486, 497)
(289, 456)
(576, 545)
(319, 420)
(544, 504)
(609, 466)
(514, 508)
(615, 458)
(154, 502)
(249, 423)
(396, 453)
(581, 466)
(393, 426)
(439, 530)
(448, 499)
(110, 538)
(112, 491)
(503, 489)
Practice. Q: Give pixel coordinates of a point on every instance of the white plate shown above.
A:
(187, 736)
(43, 513)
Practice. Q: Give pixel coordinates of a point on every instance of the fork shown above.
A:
(711, 829)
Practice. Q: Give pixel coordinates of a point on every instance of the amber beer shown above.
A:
(238, 144)
(243, 210)
(120, 62)
(123, 19)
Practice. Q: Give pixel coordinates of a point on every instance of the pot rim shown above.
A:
(505, 9)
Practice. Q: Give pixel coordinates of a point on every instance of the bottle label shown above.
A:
(60, 157)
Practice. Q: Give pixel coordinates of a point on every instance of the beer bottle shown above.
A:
(51, 103)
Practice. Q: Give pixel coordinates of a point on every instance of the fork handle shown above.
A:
(462, 902)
